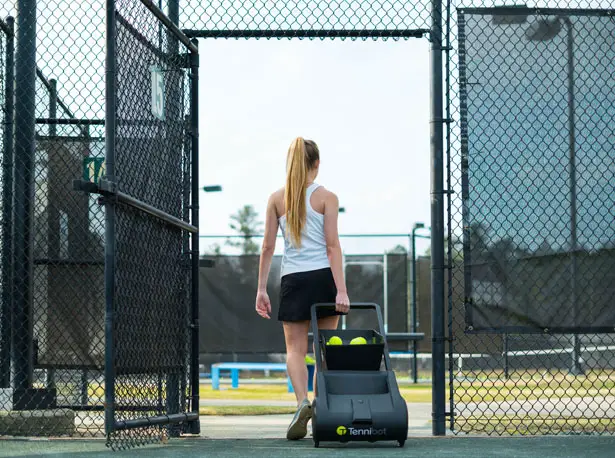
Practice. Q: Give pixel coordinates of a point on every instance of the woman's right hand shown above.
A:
(342, 303)
(263, 304)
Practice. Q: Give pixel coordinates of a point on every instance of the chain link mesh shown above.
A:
(508, 214)
(530, 292)
(226, 290)
(152, 265)
(244, 19)
(55, 314)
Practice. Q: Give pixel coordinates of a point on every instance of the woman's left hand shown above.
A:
(263, 304)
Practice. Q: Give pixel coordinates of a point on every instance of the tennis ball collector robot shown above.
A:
(355, 400)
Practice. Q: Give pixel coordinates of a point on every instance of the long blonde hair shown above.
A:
(302, 157)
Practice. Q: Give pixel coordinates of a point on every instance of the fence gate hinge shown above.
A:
(449, 192)
(441, 48)
(443, 120)
(441, 339)
(185, 60)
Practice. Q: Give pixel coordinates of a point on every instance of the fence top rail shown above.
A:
(523, 10)
(181, 36)
(308, 33)
(6, 28)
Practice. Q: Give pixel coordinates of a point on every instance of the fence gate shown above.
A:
(531, 224)
(149, 187)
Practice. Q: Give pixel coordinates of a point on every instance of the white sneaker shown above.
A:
(298, 426)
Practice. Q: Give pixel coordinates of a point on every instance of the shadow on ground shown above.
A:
(543, 447)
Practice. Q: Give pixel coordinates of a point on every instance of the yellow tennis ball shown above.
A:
(358, 341)
(334, 340)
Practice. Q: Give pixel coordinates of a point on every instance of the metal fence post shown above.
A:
(53, 227)
(7, 210)
(25, 90)
(173, 397)
(173, 12)
(437, 225)
(506, 363)
(195, 426)
(110, 129)
(414, 311)
(53, 106)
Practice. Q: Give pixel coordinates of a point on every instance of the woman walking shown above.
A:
(312, 271)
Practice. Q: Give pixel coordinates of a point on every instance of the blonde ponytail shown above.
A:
(294, 192)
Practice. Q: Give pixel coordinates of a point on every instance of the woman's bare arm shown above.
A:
(334, 249)
(268, 248)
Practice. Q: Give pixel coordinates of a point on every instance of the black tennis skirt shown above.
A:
(300, 290)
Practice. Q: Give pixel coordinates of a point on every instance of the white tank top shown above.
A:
(312, 255)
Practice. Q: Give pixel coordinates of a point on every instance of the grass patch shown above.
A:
(412, 393)
(479, 386)
(532, 425)
(533, 385)
(245, 410)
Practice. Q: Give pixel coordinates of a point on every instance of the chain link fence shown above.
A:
(63, 372)
(528, 97)
(149, 189)
(375, 19)
(531, 240)
(52, 346)
(227, 293)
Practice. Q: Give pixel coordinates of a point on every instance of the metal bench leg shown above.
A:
(289, 383)
(235, 378)
(215, 378)
(311, 369)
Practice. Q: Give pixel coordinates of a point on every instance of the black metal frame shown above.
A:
(24, 148)
(303, 33)
(111, 195)
(437, 122)
(7, 205)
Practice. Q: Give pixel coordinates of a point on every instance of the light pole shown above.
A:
(414, 236)
(208, 189)
(212, 188)
(546, 30)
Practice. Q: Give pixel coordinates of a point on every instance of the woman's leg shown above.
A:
(296, 336)
(327, 322)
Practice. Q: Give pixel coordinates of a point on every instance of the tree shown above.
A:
(245, 222)
(399, 249)
(456, 245)
(213, 250)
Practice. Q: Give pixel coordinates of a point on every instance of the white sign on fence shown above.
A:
(157, 93)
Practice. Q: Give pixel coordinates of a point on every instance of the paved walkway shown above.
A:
(440, 447)
(274, 426)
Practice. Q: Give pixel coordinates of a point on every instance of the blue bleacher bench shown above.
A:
(234, 369)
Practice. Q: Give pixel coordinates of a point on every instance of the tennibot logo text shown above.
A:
(343, 430)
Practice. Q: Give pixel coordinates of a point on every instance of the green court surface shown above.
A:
(543, 447)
